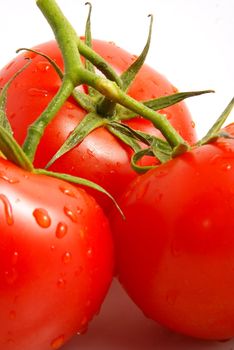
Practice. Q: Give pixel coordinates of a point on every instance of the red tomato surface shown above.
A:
(56, 259)
(100, 157)
(175, 250)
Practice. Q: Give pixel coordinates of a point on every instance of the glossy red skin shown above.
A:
(101, 157)
(175, 248)
(50, 286)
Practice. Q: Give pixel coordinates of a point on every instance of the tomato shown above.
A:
(100, 157)
(56, 259)
(175, 248)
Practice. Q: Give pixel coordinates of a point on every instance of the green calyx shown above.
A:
(107, 103)
(12, 151)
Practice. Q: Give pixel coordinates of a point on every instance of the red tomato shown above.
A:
(56, 259)
(100, 157)
(175, 250)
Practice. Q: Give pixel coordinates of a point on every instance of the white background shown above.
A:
(192, 44)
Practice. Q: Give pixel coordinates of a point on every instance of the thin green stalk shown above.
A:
(65, 36)
(114, 93)
(75, 73)
(36, 130)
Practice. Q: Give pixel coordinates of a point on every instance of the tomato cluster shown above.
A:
(61, 243)
(101, 157)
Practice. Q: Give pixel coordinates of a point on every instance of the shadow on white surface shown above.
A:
(120, 325)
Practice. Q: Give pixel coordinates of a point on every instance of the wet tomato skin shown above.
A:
(175, 248)
(100, 157)
(56, 259)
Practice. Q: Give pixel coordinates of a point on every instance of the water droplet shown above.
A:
(226, 146)
(15, 258)
(226, 167)
(43, 66)
(38, 92)
(61, 283)
(84, 321)
(52, 248)
(66, 258)
(69, 192)
(29, 54)
(88, 303)
(71, 214)
(11, 275)
(193, 124)
(42, 217)
(141, 193)
(11, 180)
(82, 233)
(70, 105)
(12, 314)
(172, 297)
(7, 209)
(79, 271)
(10, 65)
(57, 342)
(10, 341)
(176, 249)
(214, 159)
(82, 330)
(206, 223)
(61, 230)
(134, 57)
(12, 115)
(83, 326)
(90, 253)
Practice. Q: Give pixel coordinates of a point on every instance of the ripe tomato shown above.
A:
(175, 248)
(100, 157)
(56, 259)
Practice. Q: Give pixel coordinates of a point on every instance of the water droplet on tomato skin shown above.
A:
(83, 326)
(71, 214)
(15, 257)
(12, 314)
(70, 105)
(176, 250)
(38, 92)
(11, 276)
(79, 271)
(67, 191)
(226, 167)
(30, 54)
(57, 342)
(90, 253)
(10, 65)
(61, 230)
(193, 124)
(42, 217)
(43, 66)
(9, 179)
(7, 209)
(66, 258)
(61, 283)
(214, 159)
(171, 297)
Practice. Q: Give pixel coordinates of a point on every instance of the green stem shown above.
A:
(36, 130)
(65, 36)
(98, 62)
(114, 93)
(76, 74)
